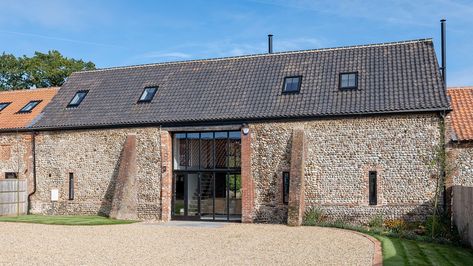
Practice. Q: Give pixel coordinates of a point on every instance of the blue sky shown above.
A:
(117, 33)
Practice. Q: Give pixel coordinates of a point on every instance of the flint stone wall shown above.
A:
(93, 156)
(16, 155)
(461, 157)
(340, 153)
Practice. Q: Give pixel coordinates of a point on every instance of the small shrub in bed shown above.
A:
(376, 222)
(313, 216)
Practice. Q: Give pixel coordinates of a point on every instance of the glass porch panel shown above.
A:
(192, 194)
(193, 150)
(234, 196)
(178, 199)
(180, 151)
(206, 150)
(221, 196)
(234, 149)
(221, 146)
(206, 196)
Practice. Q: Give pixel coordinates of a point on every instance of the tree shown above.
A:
(41, 70)
(12, 73)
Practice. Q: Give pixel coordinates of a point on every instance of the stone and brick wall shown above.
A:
(16, 155)
(93, 157)
(340, 153)
(461, 163)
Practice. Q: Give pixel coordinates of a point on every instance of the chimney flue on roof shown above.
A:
(270, 43)
(443, 47)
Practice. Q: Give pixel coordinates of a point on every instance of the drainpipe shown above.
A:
(33, 144)
(443, 172)
(161, 170)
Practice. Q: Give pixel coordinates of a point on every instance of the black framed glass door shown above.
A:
(210, 196)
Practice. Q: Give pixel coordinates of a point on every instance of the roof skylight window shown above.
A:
(148, 94)
(3, 106)
(77, 99)
(292, 84)
(29, 107)
(349, 80)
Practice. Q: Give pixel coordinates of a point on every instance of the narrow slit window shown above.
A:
(11, 175)
(373, 197)
(148, 94)
(71, 186)
(285, 181)
(77, 99)
(3, 106)
(29, 107)
(349, 80)
(292, 84)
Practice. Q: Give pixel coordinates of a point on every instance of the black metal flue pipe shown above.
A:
(444, 60)
(270, 43)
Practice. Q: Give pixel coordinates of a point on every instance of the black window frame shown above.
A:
(71, 105)
(286, 181)
(284, 91)
(22, 111)
(152, 96)
(349, 87)
(5, 105)
(232, 154)
(373, 188)
(7, 174)
(71, 186)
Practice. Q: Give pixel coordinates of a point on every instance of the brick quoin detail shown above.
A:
(166, 175)
(248, 189)
(296, 203)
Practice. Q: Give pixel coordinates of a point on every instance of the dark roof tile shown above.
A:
(393, 77)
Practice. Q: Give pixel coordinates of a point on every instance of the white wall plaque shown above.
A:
(54, 194)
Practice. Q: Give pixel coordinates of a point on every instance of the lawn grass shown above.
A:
(64, 220)
(398, 251)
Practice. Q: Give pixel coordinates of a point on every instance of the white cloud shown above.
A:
(227, 47)
(418, 12)
(54, 14)
(160, 54)
(55, 38)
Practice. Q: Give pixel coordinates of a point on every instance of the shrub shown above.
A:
(397, 225)
(313, 216)
(441, 225)
(376, 221)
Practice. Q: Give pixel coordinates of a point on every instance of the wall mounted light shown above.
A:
(245, 129)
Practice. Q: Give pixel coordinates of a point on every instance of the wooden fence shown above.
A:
(463, 212)
(13, 197)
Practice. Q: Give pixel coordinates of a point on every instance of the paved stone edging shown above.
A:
(378, 250)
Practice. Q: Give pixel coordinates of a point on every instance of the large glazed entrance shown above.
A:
(207, 179)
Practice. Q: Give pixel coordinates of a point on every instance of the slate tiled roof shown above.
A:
(393, 77)
(462, 114)
(9, 116)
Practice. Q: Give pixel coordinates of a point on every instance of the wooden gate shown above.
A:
(13, 197)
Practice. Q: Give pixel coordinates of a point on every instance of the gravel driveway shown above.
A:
(183, 243)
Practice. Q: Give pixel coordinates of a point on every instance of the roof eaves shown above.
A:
(230, 120)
